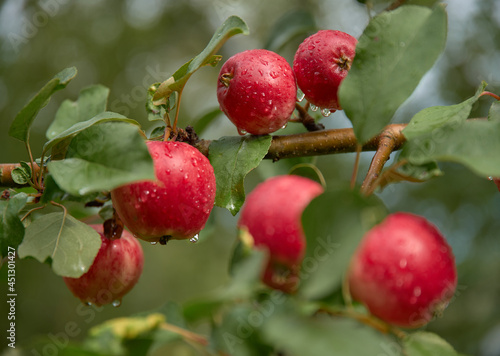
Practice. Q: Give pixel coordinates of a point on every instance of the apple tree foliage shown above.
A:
(89, 151)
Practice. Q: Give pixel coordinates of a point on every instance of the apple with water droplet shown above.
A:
(114, 272)
(178, 203)
(257, 91)
(272, 216)
(321, 63)
(403, 271)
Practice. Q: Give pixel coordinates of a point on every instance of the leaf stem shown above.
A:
(490, 94)
(177, 109)
(186, 334)
(359, 148)
(32, 210)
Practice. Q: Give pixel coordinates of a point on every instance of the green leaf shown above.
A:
(443, 133)
(11, 227)
(323, 335)
(427, 344)
(433, 119)
(22, 174)
(91, 102)
(70, 245)
(65, 136)
(289, 26)
(239, 331)
(233, 158)
(396, 49)
(334, 224)
(494, 113)
(245, 279)
(103, 157)
(232, 26)
(21, 125)
(156, 112)
(126, 336)
(201, 124)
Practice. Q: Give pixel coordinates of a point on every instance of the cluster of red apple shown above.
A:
(403, 271)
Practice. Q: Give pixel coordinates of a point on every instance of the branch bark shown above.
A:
(315, 143)
(322, 142)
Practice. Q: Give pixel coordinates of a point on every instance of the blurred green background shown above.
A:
(128, 45)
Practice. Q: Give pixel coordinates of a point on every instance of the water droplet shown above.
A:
(300, 95)
(241, 131)
(284, 126)
(417, 291)
(490, 178)
(413, 300)
(195, 238)
(116, 303)
(314, 107)
(154, 242)
(325, 112)
(87, 304)
(403, 263)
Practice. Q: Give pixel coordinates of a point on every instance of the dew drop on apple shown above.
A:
(300, 95)
(490, 178)
(417, 291)
(88, 304)
(195, 238)
(314, 107)
(116, 303)
(325, 112)
(242, 132)
(402, 263)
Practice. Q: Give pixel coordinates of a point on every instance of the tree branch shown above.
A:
(315, 143)
(319, 143)
(389, 139)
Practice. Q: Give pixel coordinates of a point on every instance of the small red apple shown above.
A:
(272, 215)
(178, 203)
(257, 91)
(403, 271)
(114, 272)
(321, 63)
(497, 182)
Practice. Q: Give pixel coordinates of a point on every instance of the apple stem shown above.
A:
(306, 119)
(113, 228)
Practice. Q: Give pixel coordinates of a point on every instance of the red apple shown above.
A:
(177, 204)
(403, 271)
(272, 215)
(497, 182)
(257, 91)
(321, 63)
(114, 272)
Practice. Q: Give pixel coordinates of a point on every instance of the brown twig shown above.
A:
(389, 140)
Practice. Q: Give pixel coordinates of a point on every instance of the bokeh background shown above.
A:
(127, 45)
